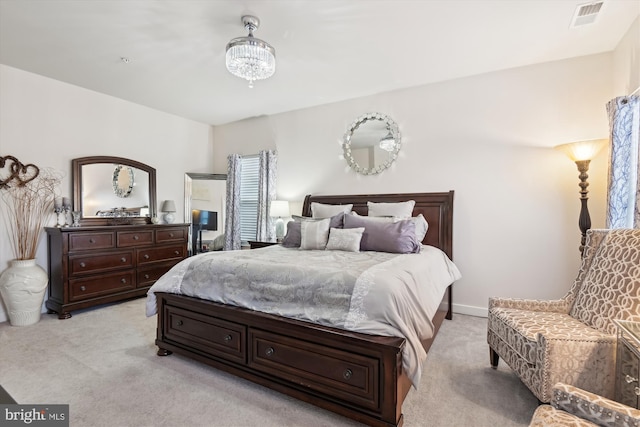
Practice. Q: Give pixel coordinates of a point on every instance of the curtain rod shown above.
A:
(635, 91)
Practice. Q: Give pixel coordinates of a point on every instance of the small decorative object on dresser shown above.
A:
(628, 363)
(28, 193)
(93, 265)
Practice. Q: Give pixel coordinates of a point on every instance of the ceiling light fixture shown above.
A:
(388, 142)
(248, 57)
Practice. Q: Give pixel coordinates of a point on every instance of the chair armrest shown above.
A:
(555, 306)
(594, 408)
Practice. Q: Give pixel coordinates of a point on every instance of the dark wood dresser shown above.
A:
(100, 264)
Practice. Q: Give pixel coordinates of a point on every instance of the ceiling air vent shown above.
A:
(586, 14)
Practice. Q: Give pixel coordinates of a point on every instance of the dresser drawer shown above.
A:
(168, 235)
(211, 335)
(148, 276)
(324, 369)
(160, 253)
(104, 284)
(134, 238)
(87, 241)
(96, 263)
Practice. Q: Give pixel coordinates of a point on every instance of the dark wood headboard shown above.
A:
(437, 208)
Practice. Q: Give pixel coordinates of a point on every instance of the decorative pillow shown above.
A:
(345, 239)
(382, 236)
(323, 210)
(314, 234)
(400, 209)
(293, 238)
(422, 226)
(420, 222)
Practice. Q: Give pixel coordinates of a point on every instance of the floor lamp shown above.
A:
(582, 152)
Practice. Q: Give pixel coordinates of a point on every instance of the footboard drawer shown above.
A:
(210, 335)
(331, 371)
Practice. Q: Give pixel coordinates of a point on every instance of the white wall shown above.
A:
(626, 62)
(48, 123)
(489, 138)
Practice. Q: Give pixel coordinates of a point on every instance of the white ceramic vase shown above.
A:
(22, 287)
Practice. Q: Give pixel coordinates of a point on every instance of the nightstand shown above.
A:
(253, 244)
(628, 363)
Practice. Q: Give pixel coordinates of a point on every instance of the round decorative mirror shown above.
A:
(371, 144)
(122, 181)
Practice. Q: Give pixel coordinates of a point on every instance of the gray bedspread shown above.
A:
(371, 292)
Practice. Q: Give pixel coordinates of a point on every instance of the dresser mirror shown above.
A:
(113, 190)
(371, 143)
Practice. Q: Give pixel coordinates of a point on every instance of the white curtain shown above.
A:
(232, 227)
(623, 192)
(267, 192)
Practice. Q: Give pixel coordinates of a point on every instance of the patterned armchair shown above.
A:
(572, 340)
(574, 407)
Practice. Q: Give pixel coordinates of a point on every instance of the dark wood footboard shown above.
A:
(352, 374)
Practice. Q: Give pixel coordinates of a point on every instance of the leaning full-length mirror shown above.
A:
(113, 190)
(205, 206)
(371, 143)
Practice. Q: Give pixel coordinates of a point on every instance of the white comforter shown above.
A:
(371, 292)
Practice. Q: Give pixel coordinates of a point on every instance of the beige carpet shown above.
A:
(103, 363)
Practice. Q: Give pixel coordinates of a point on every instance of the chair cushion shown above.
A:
(548, 416)
(611, 286)
(520, 328)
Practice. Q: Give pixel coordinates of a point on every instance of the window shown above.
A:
(249, 178)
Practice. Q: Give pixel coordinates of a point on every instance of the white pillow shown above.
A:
(323, 210)
(421, 227)
(400, 209)
(345, 239)
(314, 234)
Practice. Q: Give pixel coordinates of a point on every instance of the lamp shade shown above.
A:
(168, 206)
(582, 150)
(279, 208)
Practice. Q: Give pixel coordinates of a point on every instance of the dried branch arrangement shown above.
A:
(28, 193)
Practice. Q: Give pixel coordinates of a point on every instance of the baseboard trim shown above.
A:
(470, 310)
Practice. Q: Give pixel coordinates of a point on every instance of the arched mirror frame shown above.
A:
(392, 128)
(189, 177)
(76, 169)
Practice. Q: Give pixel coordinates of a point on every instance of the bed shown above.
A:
(358, 375)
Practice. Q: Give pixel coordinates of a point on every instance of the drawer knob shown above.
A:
(170, 234)
(270, 351)
(146, 276)
(629, 379)
(347, 374)
(92, 241)
(83, 265)
(136, 237)
(83, 288)
(179, 323)
(123, 259)
(227, 338)
(123, 280)
(637, 391)
(176, 252)
(146, 256)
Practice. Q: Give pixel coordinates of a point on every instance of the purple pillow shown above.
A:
(395, 237)
(293, 238)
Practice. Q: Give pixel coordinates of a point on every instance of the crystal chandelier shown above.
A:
(388, 143)
(248, 57)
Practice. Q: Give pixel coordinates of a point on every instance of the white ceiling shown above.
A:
(326, 50)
